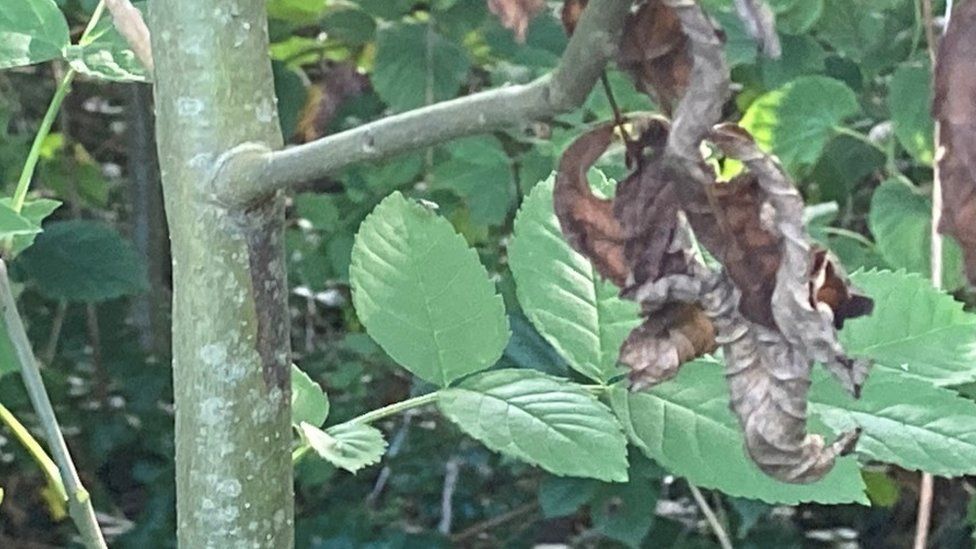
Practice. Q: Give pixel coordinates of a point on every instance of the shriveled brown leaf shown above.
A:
(829, 287)
(570, 14)
(587, 221)
(655, 51)
(955, 110)
(669, 337)
(338, 84)
(516, 14)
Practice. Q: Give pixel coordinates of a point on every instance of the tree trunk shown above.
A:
(214, 90)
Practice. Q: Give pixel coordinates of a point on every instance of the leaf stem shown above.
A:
(396, 408)
(843, 130)
(79, 502)
(35, 449)
(64, 86)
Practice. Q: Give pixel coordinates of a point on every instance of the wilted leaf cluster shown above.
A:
(775, 303)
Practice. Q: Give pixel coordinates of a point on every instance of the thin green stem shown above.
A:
(842, 130)
(64, 86)
(23, 184)
(396, 408)
(35, 449)
(853, 235)
(79, 502)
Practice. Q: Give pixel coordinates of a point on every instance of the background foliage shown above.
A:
(445, 270)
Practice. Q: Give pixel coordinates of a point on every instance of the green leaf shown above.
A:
(479, 172)
(34, 211)
(904, 420)
(407, 54)
(901, 222)
(801, 55)
(914, 330)
(423, 295)
(107, 56)
(795, 121)
(563, 296)
(539, 419)
(320, 210)
(31, 31)
(881, 489)
(562, 496)
(625, 511)
(296, 11)
(291, 93)
(351, 26)
(796, 16)
(910, 103)
(83, 260)
(8, 355)
(686, 426)
(349, 446)
(14, 224)
(309, 403)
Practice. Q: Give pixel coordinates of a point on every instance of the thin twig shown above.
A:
(451, 471)
(926, 487)
(713, 522)
(51, 349)
(255, 171)
(79, 502)
(128, 21)
(522, 512)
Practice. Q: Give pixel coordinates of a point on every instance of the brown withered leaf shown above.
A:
(634, 240)
(829, 287)
(587, 221)
(655, 51)
(669, 337)
(339, 83)
(570, 14)
(955, 109)
(516, 14)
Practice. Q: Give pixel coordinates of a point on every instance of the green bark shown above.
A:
(214, 90)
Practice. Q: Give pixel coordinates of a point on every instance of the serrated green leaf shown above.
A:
(910, 103)
(563, 296)
(904, 420)
(406, 55)
(539, 419)
(106, 55)
(349, 446)
(423, 295)
(35, 211)
(14, 224)
(82, 260)
(901, 222)
(686, 426)
(795, 122)
(31, 31)
(296, 11)
(309, 403)
(915, 329)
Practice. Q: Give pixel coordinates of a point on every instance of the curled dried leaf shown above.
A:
(570, 14)
(587, 221)
(669, 337)
(516, 14)
(955, 110)
(655, 51)
(339, 83)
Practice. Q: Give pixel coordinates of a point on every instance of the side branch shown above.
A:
(256, 173)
